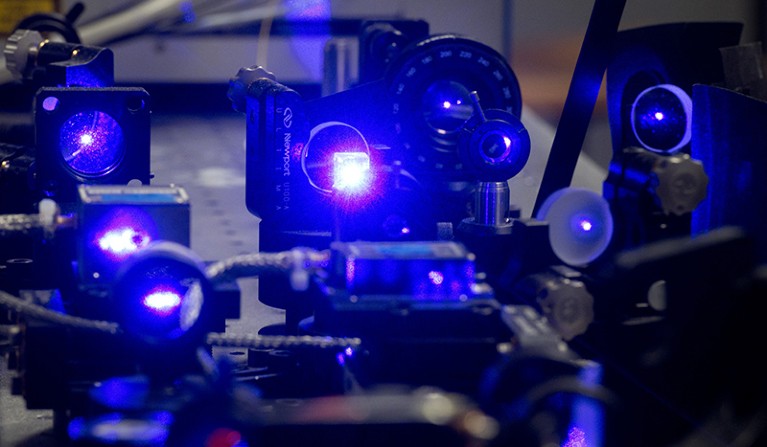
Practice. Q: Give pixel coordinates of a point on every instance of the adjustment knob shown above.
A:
(681, 183)
(19, 49)
(241, 82)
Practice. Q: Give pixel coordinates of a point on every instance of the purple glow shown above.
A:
(225, 437)
(50, 103)
(162, 302)
(91, 143)
(405, 230)
(348, 351)
(436, 277)
(575, 438)
(120, 242)
(659, 116)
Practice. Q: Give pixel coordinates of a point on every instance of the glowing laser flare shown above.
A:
(350, 170)
(162, 302)
(86, 139)
(123, 241)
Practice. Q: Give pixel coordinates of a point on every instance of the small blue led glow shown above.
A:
(50, 103)
(162, 301)
(351, 171)
(91, 143)
(349, 351)
(585, 225)
(121, 242)
(661, 118)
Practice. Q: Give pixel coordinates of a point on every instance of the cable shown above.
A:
(282, 341)
(299, 263)
(39, 312)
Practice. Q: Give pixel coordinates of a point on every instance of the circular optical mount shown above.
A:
(430, 87)
(580, 224)
(162, 296)
(661, 118)
(91, 143)
(494, 146)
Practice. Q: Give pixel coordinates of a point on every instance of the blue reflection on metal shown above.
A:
(120, 393)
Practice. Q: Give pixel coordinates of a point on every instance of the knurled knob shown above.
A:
(682, 183)
(17, 51)
(238, 85)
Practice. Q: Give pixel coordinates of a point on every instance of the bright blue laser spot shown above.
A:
(121, 242)
(162, 302)
(659, 116)
(349, 351)
(586, 225)
(91, 143)
(351, 171)
(436, 278)
(446, 105)
(405, 230)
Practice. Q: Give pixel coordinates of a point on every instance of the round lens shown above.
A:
(446, 106)
(91, 143)
(661, 118)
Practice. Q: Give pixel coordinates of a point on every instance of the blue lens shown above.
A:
(661, 118)
(91, 143)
